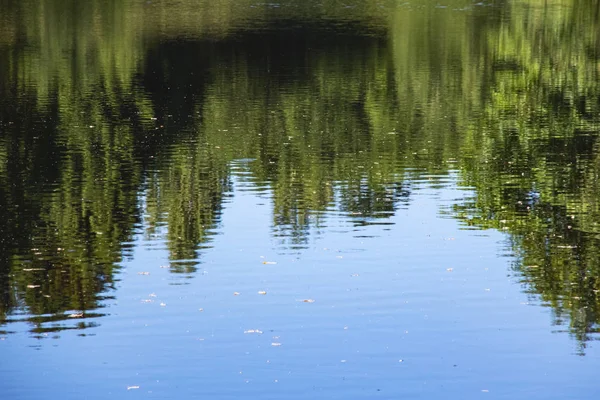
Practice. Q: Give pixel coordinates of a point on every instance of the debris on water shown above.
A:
(144, 273)
(353, 275)
(163, 304)
(342, 361)
(400, 360)
(253, 331)
(165, 266)
(147, 300)
(236, 293)
(449, 269)
(152, 295)
(75, 315)
(132, 387)
(308, 301)
(32, 286)
(276, 344)
(485, 390)
(270, 262)
(262, 292)
(201, 309)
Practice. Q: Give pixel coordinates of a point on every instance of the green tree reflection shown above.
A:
(114, 111)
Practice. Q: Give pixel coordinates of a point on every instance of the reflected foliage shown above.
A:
(118, 112)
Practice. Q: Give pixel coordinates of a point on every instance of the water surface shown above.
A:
(299, 199)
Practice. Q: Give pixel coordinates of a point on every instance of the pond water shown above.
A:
(329, 199)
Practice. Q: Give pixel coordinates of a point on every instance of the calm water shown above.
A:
(299, 199)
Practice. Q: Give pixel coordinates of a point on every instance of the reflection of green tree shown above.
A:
(509, 99)
(70, 180)
(311, 133)
(188, 193)
(532, 156)
(79, 183)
